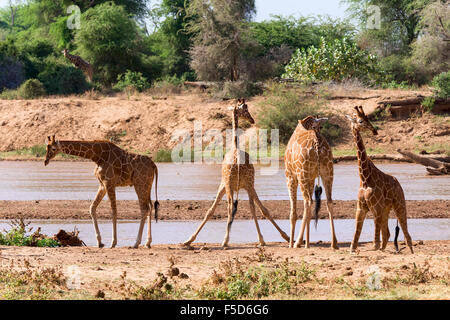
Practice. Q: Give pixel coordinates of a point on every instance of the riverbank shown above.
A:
(195, 210)
(241, 272)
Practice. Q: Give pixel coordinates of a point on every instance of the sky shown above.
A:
(264, 8)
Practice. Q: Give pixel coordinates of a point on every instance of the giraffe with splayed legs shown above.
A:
(80, 63)
(308, 156)
(237, 173)
(115, 168)
(378, 191)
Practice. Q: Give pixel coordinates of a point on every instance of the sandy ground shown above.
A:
(195, 210)
(145, 123)
(102, 268)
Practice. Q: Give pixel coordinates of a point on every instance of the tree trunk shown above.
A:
(434, 167)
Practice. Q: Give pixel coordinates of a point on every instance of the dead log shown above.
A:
(351, 97)
(433, 166)
(198, 84)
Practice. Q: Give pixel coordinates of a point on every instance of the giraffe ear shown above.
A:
(53, 138)
(350, 118)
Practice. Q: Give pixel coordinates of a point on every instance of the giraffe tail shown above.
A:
(397, 231)
(233, 211)
(156, 195)
(317, 200)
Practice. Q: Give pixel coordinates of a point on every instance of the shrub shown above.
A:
(283, 108)
(338, 60)
(131, 79)
(331, 132)
(428, 104)
(236, 89)
(59, 78)
(32, 88)
(11, 73)
(441, 84)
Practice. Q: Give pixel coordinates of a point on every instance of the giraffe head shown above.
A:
(241, 111)
(53, 149)
(311, 123)
(65, 52)
(360, 122)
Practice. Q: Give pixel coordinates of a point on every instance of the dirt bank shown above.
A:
(315, 273)
(145, 123)
(195, 210)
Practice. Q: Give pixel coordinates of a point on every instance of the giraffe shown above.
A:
(81, 64)
(378, 191)
(237, 175)
(115, 168)
(308, 156)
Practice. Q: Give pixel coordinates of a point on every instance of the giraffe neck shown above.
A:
(235, 127)
(363, 160)
(83, 149)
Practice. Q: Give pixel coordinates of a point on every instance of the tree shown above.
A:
(430, 53)
(398, 25)
(170, 41)
(217, 27)
(108, 39)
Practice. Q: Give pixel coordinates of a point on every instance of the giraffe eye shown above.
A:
(360, 121)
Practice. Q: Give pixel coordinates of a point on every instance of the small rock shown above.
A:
(100, 294)
(183, 276)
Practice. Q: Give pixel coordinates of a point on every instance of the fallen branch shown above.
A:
(433, 166)
(351, 98)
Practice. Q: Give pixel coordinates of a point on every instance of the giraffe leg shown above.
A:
(149, 226)
(400, 212)
(328, 183)
(307, 190)
(230, 209)
(92, 211)
(251, 203)
(209, 213)
(385, 228)
(378, 222)
(266, 214)
(144, 206)
(112, 199)
(292, 187)
(361, 211)
(307, 203)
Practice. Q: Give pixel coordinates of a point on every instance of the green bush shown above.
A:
(338, 60)
(331, 132)
(131, 79)
(441, 84)
(283, 108)
(17, 236)
(236, 89)
(32, 88)
(59, 78)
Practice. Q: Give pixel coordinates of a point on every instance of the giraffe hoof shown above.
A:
(101, 245)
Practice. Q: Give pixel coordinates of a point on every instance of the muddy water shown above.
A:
(31, 180)
(243, 231)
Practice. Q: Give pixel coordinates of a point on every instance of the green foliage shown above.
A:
(115, 51)
(338, 60)
(331, 132)
(428, 104)
(441, 84)
(133, 80)
(163, 155)
(282, 109)
(59, 78)
(18, 236)
(236, 89)
(234, 283)
(218, 30)
(396, 69)
(32, 88)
